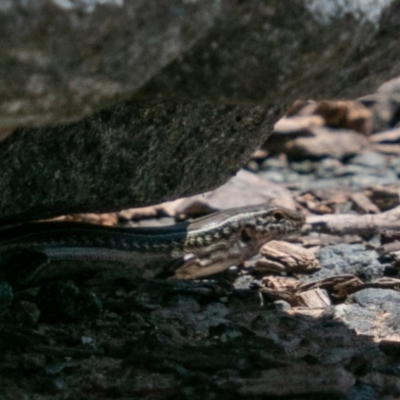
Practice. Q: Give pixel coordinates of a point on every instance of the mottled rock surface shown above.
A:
(64, 60)
(135, 153)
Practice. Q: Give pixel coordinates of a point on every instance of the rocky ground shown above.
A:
(315, 318)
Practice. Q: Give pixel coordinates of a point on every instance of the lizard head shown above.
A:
(260, 225)
(265, 224)
(235, 235)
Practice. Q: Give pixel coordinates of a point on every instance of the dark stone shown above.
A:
(360, 392)
(203, 55)
(262, 51)
(32, 362)
(64, 59)
(257, 51)
(134, 154)
(65, 302)
(26, 312)
(6, 296)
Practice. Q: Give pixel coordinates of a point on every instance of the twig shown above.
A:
(343, 224)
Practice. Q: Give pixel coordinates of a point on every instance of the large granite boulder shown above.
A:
(205, 81)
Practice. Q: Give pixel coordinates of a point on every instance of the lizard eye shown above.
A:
(244, 236)
(278, 215)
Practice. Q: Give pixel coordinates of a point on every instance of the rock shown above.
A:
(6, 296)
(254, 56)
(360, 392)
(343, 259)
(260, 52)
(297, 380)
(243, 189)
(135, 154)
(65, 302)
(217, 50)
(370, 159)
(372, 312)
(47, 78)
(385, 105)
(26, 312)
(384, 299)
